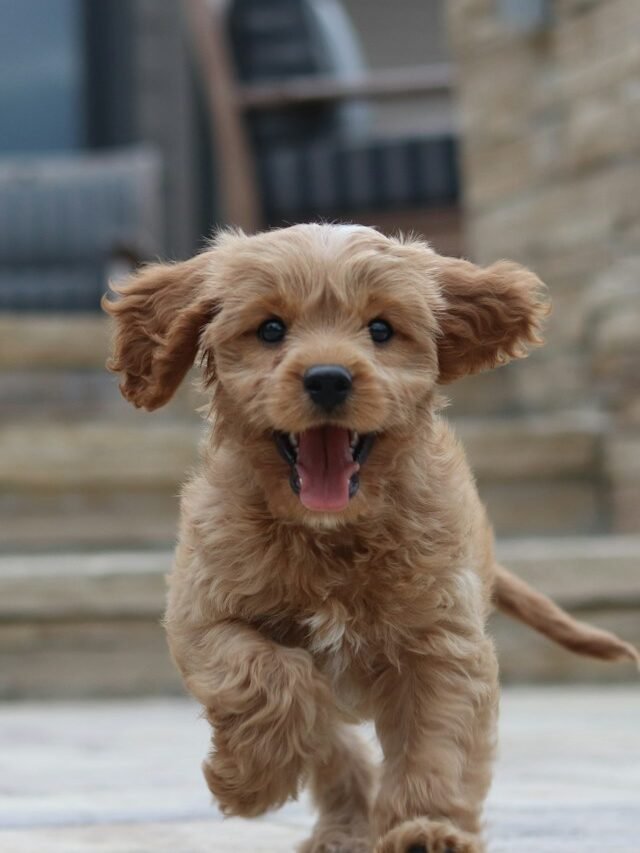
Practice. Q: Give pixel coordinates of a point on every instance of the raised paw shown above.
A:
(245, 788)
(266, 729)
(428, 836)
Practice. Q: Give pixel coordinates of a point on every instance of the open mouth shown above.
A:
(325, 463)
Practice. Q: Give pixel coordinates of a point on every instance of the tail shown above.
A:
(517, 599)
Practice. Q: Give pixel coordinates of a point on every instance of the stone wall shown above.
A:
(550, 121)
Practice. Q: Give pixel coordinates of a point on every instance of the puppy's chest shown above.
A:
(331, 630)
(353, 619)
(342, 637)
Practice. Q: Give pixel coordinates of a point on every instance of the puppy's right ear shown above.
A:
(160, 313)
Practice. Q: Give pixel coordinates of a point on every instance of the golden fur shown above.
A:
(288, 625)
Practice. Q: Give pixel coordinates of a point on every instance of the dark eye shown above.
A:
(380, 331)
(272, 331)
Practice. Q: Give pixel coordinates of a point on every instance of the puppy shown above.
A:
(334, 561)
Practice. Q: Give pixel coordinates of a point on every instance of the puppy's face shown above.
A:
(325, 353)
(323, 347)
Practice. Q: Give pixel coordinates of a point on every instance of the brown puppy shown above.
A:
(334, 561)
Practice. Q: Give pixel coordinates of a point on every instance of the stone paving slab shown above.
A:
(123, 777)
(185, 837)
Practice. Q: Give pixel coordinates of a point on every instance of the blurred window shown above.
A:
(42, 73)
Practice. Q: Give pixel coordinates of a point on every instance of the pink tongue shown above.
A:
(325, 466)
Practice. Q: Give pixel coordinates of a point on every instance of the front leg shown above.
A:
(269, 708)
(436, 723)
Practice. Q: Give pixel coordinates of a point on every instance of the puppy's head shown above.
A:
(323, 346)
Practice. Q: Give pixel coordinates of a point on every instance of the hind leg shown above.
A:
(341, 787)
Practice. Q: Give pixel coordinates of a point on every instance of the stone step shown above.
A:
(564, 445)
(81, 482)
(59, 361)
(539, 475)
(60, 520)
(88, 624)
(95, 453)
(45, 341)
(31, 396)
(53, 366)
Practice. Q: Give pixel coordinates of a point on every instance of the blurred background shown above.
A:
(130, 129)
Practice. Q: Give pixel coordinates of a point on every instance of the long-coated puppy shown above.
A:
(334, 561)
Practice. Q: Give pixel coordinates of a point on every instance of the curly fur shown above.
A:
(289, 625)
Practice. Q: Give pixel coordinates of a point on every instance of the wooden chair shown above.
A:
(285, 88)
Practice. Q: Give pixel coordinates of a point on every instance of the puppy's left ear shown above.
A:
(160, 314)
(490, 315)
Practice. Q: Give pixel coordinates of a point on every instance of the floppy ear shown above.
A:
(490, 315)
(160, 314)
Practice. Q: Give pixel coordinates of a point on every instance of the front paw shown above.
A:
(266, 730)
(244, 788)
(428, 836)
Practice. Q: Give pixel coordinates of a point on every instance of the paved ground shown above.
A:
(124, 777)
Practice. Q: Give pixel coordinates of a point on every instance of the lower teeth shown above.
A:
(354, 485)
(294, 480)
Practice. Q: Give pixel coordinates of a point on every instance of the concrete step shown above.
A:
(59, 456)
(62, 341)
(539, 475)
(79, 467)
(62, 358)
(92, 483)
(33, 345)
(88, 624)
(33, 396)
(89, 453)
(53, 367)
(99, 481)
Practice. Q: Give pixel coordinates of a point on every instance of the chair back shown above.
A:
(65, 218)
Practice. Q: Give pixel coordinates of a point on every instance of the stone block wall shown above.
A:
(550, 125)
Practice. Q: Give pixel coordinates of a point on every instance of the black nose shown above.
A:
(328, 385)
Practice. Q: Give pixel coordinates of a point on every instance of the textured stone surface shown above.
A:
(531, 447)
(96, 454)
(623, 457)
(87, 585)
(114, 482)
(625, 504)
(29, 341)
(55, 394)
(527, 657)
(53, 367)
(127, 656)
(551, 146)
(147, 453)
(539, 508)
(124, 778)
(550, 159)
(578, 571)
(56, 519)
